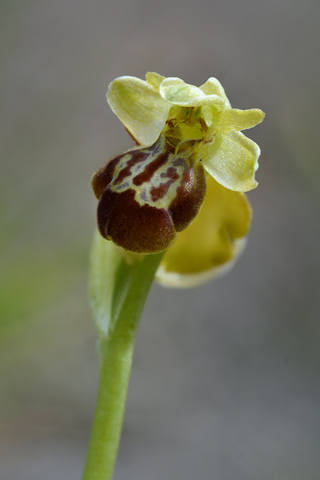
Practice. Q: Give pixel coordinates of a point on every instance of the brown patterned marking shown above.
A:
(170, 173)
(144, 228)
(104, 176)
(189, 198)
(150, 169)
(136, 157)
(178, 162)
(139, 229)
(159, 192)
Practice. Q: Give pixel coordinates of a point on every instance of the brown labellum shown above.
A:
(147, 195)
(139, 229)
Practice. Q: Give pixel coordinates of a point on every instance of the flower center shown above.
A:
(185, 129)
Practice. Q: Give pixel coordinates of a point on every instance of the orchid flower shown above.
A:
(181, 189)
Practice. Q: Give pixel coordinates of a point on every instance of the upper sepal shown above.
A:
(177, 92)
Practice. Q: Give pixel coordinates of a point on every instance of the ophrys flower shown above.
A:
(189, 142)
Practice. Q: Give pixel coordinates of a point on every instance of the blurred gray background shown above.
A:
(225, 382)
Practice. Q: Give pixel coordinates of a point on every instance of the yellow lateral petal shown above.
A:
(234, 119)
(142, 110)
(214, 87)
(154, 79)
(209, 245)
(232, 159)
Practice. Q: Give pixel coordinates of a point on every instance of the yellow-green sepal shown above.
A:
(232, 160)
(139, 107)
(212, 243)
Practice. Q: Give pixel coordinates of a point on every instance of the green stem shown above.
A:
(116, 352)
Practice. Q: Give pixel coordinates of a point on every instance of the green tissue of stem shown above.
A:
(118, 292)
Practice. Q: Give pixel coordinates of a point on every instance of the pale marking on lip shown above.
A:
(178, 163)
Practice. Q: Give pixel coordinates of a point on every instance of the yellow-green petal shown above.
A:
(214, 87)
(154, 79)
(232, 160)
(210, 245)
(234, 119)
(141, 109)
(177, 92)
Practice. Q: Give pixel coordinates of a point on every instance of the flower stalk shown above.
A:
(115, 355)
